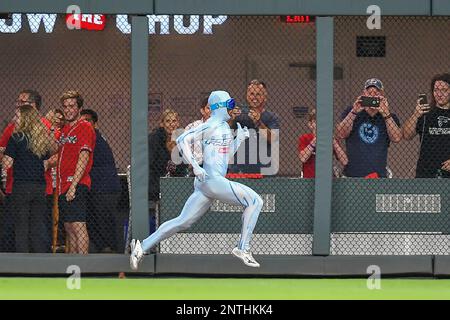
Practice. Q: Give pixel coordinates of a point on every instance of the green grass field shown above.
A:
(224, 289)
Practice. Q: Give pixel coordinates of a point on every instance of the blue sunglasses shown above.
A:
(229, 104)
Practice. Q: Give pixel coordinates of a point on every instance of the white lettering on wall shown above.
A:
(34, 20)
(11, 26)
(14, 25)
(122, 24)
(209, 22)
(164, 22)
(194, 24)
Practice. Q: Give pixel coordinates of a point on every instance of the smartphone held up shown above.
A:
(371, 102)
(423, 99)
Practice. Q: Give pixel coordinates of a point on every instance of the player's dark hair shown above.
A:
(91, 113)
(257, 82)
(445, 77)
(33, 96)
(204, 102)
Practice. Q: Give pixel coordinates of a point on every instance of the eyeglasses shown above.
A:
(229, 104)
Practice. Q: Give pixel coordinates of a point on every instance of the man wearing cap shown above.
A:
(210, 182)
(368, 132)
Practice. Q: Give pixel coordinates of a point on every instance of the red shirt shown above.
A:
(7, 133)
(48, 173)
(74, 139)
(309, 167)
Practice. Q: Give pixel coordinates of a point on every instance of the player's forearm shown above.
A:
(185, 147)
(82, 162)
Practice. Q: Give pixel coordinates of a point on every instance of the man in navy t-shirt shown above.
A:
(105, 222)
(261, 149)
(368, 132)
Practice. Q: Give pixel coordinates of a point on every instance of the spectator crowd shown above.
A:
(59, 172)
(48, 166)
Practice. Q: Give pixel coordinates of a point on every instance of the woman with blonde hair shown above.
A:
(161, 146)
(26, 151)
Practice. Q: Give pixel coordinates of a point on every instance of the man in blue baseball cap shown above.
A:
(210, 182)
(374, 82)
(368, 130)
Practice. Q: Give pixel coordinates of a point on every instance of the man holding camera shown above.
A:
(368, 127)
(432, 123)
(261, 149)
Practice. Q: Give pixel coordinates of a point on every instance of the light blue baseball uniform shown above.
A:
(210, 182)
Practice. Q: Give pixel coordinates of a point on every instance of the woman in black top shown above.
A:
(161, 146)
(26, 151)
(431, 122)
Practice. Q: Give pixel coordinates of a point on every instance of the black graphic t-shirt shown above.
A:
(433, 129)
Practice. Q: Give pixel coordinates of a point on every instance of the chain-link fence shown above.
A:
(269, 67)
(39, 52)
(396, 64)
